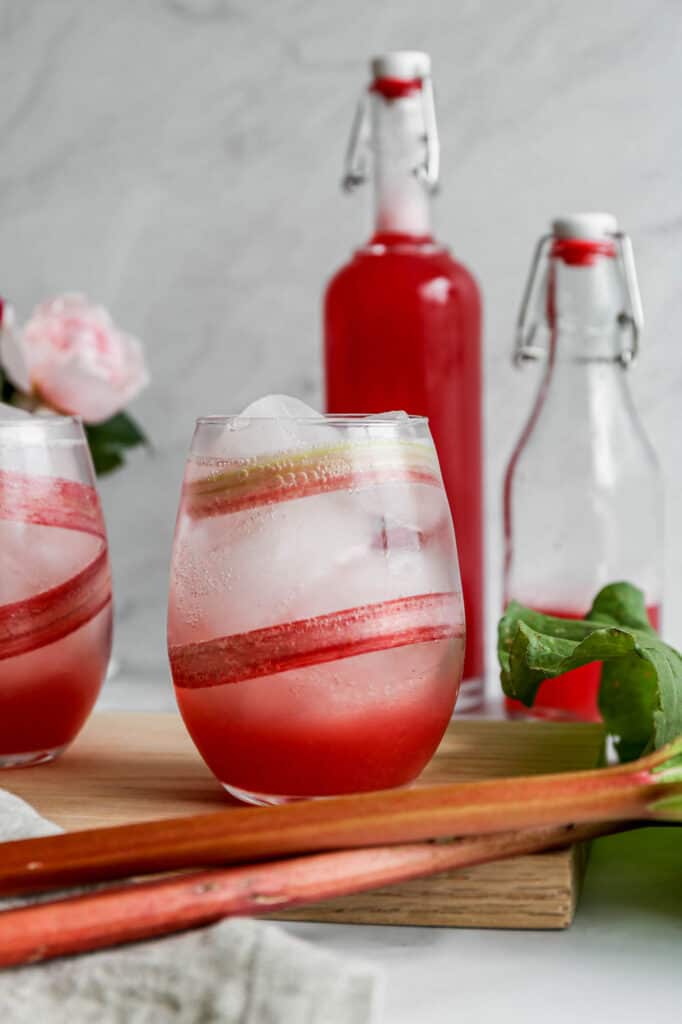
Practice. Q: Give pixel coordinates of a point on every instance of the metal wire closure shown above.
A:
(356, 161)
(429, 171)
(526, 326)
(630, 319)
(357, 158)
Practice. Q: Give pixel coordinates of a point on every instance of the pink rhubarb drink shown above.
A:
(316, 631)
(55, 588)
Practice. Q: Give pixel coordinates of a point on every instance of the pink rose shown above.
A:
(74, 359)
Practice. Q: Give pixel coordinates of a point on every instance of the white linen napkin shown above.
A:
(239, 971)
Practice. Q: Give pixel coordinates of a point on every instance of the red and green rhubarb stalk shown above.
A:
(647, 790)
(518, 816)
(274, 478)
(145, 910)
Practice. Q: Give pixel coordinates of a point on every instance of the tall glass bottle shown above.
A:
(402, 319)
(582, 492)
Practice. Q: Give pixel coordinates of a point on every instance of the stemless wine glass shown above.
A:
(55, 588)
(315, 625)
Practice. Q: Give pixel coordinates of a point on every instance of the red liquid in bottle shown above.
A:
(574, 695)
(402, 318)
(402, 329)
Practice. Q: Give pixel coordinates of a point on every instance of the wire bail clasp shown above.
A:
(357, 158)
(527, 321)
(429, 171)
(630, 319)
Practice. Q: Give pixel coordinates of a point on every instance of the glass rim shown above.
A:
(351, 419)
(34, 425)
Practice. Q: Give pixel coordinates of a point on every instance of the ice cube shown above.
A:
(35, 558)
(395, 424)
(295, 559)
(273, 406)
(417, 507)
(281, 423)
(272, 424)
(267, 565)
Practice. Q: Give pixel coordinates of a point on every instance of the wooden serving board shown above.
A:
(135, 766)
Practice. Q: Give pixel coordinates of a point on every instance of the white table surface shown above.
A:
(620, 962)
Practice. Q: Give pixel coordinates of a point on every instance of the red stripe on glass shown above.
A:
(50, 501)
(322, 638)
(52, 614)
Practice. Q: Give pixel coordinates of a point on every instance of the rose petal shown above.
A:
(79, 361)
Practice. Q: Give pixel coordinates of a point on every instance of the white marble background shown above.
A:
(179, 161)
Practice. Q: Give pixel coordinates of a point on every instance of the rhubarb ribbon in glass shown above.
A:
(291, 475)
(321, 638)
(56, 611)
(314, 565)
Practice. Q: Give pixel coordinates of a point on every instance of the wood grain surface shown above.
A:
(134, 766)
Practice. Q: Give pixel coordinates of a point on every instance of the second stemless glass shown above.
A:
(315, 625)
(55, 588)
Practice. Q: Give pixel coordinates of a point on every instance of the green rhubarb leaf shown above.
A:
(640, 696)
(621, 604)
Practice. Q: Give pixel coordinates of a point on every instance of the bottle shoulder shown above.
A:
(415, 263)
(584, 423)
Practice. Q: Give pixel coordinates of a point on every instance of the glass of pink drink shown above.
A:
(315, 627)
(55, 588)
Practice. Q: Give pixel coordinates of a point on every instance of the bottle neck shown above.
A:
(584, 299)
(402, 206)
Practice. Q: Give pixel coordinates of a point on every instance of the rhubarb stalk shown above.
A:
(145, 910)
(292, 475)
(646, 790)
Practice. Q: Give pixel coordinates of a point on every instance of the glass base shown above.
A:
(261, 799)
(247, 796)
(30, 759)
